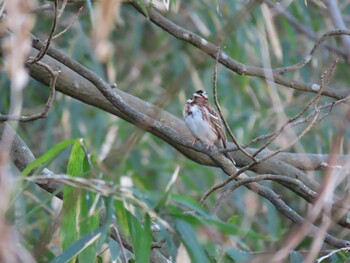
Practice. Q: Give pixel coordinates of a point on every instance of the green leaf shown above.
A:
(71, 201)
(48, 157)
(188, 237)
(122, 218)
(141, 237)
(77, 247)
(76, 218)
(189, 204)
(233, 220)
(87, 223)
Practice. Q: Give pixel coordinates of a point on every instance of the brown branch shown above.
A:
(21, 156)
(156, 121)
(275, 134)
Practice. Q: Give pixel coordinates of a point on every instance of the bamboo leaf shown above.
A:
(48, 157)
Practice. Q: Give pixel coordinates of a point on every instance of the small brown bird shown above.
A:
(203, 122)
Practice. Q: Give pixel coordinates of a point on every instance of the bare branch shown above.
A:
(48, 105)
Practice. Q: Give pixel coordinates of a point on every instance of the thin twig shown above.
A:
(291, 120)
(325, 78)
(328, 106)
(60, 11)
(48, 105)
(332, 253)
(119, 240)
(324, 83)
(215, 95)
(47, 43)
(70, 24)
(258, 178)
(308, 58)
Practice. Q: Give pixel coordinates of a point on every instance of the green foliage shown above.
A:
(147, 191)
(141, 237)
(79, 248)
(77, 205)
(47, 158)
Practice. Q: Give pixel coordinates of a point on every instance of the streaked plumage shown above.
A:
(203, 122)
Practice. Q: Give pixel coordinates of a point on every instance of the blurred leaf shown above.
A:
(188, 203)
(189, 239)
(233, 220)
(295, 257)
(36, 208)
(217, 6)
(78, 246)
(143, 6)
(107, 221)
(48, 157)
(164, 199)
(114, 249)
(141, 237)
(122, 218)
(237, 256)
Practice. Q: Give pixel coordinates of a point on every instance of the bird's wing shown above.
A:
(217, 123)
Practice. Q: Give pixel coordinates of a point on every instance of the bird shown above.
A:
(203, 122)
